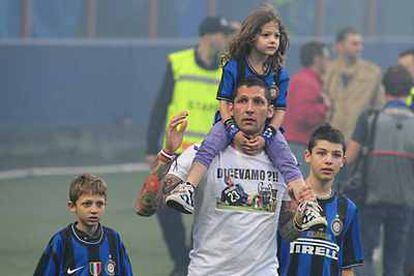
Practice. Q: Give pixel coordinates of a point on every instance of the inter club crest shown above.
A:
(110, 267)
(274, 91)
(337, 226)
(95, 268)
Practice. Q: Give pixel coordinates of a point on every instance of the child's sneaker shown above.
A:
(181, 198)
(308, 215)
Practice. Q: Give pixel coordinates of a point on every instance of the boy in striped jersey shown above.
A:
(333, 250)
(85, 247)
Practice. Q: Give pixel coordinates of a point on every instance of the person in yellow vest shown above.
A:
(190, 83)
(352, 83)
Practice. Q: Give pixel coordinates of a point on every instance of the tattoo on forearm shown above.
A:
(169, 183)
(160, 168)
(150, 195)
(286, 226)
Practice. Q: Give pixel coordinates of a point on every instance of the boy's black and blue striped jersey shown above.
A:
(326, 252)
(69, 254)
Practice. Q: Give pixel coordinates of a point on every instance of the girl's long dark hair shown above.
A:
(243, 42)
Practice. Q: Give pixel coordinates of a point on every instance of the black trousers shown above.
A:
(173, 231)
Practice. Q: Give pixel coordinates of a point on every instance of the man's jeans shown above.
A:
(395, 220)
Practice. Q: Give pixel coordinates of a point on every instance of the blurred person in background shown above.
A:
(351, 82)
(406, 59)
(308, 105)
(190, 83)
(390, 175)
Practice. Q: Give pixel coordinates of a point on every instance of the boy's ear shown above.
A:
(344, 161)
(307, 156)
(71, 206)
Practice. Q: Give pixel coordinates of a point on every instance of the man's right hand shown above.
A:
(175, 132)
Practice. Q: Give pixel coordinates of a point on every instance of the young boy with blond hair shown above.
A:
(85, 247)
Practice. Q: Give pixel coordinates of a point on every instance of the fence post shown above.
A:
(320, 18)
(153, 15)
(91, 6)
(26, 19)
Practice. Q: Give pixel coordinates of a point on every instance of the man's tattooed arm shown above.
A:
(287, 228)
(149, 197)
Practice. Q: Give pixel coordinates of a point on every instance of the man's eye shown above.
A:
(259, 102)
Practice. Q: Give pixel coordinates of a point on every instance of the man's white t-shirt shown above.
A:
(236, 214)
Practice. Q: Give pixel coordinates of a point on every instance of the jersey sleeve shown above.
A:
(50, 261)
(280, 102)
(228, 82)
(351, 249)
(125, 264)
(182, 166)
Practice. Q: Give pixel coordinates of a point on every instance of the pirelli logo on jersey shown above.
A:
(315, 247)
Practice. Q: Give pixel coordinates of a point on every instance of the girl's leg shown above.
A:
(214, 142)
(181, 198)
(282, 158)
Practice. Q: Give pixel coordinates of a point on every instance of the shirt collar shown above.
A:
(84, 237)
(398, 103)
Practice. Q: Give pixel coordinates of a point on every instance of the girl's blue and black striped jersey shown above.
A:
(327, 252)
(234, 71)
(70, 254)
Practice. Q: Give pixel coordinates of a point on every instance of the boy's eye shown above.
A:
(100, 204)
(87, 204)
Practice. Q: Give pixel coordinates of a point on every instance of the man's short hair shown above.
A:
(86, 184)
(328, 133)
(344, 33)
(397, 81)
(310, 50)
(409, 52)
(253, 81)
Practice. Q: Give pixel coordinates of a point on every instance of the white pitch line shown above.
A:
(49, 171)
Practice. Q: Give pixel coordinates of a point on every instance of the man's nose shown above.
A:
(250, 106)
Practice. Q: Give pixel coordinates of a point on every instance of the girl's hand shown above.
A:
(240, 141)
(255, 145)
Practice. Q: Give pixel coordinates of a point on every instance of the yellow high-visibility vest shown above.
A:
(410, 98)
(195, 90)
